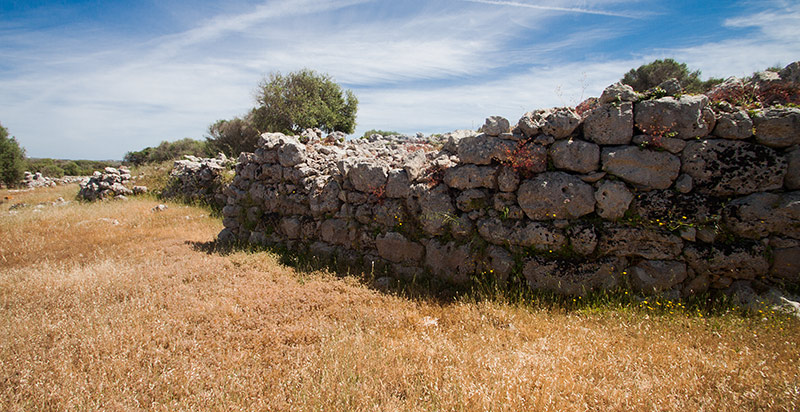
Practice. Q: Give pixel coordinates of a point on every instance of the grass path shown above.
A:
(113, 306)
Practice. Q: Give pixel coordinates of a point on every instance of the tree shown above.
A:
(232, 137)
(12, 159)
(652, 74)
(301, 100)
(166, 151)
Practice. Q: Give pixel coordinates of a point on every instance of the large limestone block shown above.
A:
(778, 127)
(334, 231)
(726, 167)
(555, 195)
(645, 169)
(786, 265)
(689, 116)
(645, 243)
(394, 247)
(471, 177)
(618, 92)
(653, 276)
(482, 149)
(613, 200)
(609, 124)
(758, 215)
(736, 125)
(291, 153)
(437, 210)
(570, 278)
(368, 176)
(744, 261)
(575, 155)
(561, 122)
(495, 126)
(450, 261)
(528, 234)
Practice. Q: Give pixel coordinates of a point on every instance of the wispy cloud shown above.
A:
(554, 8)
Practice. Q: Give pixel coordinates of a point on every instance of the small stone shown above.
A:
(683, 184)
(495, 126)
(613, 200)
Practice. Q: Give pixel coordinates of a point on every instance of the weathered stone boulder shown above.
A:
(575, 155)
(495, 126)
(609, 124)
(530, 234)
(791, 73)
(508, 179)
(744, 261)
(645, 243)
(450, 261)
(394, 247)
(727, 167)
(582, 239)
(436, 210)
(555, 195)
(561, 122)
(334, 231)
(501, 263)
(471, 177)
(688, 116)
(613, 200)
(415, 164)
(778, 127)
(482, 149)
(760, 214)
(617, 93)
(736, 125)
(291, 152)
(669, 144)
(531, 123)
(786, 264)
(570, 278)
(368, 176)
(653, 276)
(792, 180)
(645, 169)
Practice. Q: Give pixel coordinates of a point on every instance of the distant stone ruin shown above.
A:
(664, 193)
(109, 184)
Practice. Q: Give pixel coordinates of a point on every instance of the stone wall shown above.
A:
(201, 180)
(669, 194)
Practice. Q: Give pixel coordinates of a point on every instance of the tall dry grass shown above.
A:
(136, 315)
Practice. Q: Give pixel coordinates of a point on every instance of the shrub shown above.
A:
(167, 151)
(384, 133)
(232, 137)
(304, 99)
(12, 159)
(652, 74)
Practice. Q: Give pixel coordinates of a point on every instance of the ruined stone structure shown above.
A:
(671, 194)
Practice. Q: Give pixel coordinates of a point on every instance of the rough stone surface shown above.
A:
(609, 124)
(531, 123)
(736, 125)
(684, 183)
(653, 276)
(726, 167)
(727, 261)
(618, 92)
(688, 116)
(495, 126)
(471, 177)
(561, 122)
(582, 239)
(669, 144)
(555, 195)
(575, 155)
(482, 149)
(436, 210)
(613, 200)
(645, 169)
(394, 247)
(792, 180)
(762, 214)
(368, 176)
(778, 127)
(450, 261)
(645, 243)
(786, 264)
(106, 185)
(571, 278)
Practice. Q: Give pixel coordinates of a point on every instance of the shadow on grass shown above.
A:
(513, 291)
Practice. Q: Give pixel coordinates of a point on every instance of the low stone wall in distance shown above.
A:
(202, 180)
(670, 195)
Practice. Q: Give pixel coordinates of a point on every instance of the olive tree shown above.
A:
(301, 100)
(12, 159)
(232, 136)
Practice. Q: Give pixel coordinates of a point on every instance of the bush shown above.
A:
(384, 133)
(232, 137)
(59, 167)
(652, 74)
(12, 159)
(167, 151)
(289, 104)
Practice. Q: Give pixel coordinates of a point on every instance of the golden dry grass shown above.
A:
(134, 316)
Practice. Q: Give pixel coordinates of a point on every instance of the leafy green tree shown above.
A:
(384, 133)
(167, 151)
(301, 100)
(232, 137)
(652, 74)
(12, 159)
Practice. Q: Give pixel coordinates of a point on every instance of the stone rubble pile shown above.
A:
(673, 195)
(199, 179)
(34, 180)
(108, 184)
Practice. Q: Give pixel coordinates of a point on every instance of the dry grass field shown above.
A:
(112, 306)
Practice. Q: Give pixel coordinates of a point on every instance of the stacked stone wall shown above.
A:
(670, 194)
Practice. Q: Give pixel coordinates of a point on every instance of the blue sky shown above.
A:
(94, 79)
